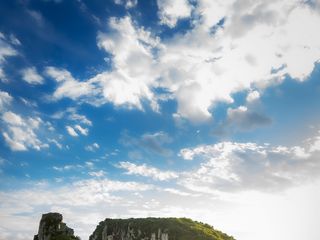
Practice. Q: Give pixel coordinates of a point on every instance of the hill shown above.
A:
(156, 229)
(51, 227)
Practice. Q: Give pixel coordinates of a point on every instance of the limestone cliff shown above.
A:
(51, 227)
(156, 229)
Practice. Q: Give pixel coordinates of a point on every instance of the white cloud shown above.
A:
(127, 3)
(315, 143)
(83, 131)
(255, 46)
(134, 72)
(67, 168)
(178, 192)
(55, 142)
(72, 114)
(68, 86)
(71, 131)
(5, 100)
(229, 166)
(170, 11)
(14, 40)
(20, 133)
(93, 147)
(99, 173)
(31, 76)
(147, 171)
(6, 50)
(253, 96)
(12, 118)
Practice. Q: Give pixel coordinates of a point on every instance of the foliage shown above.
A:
(177, 228)
(64, 237)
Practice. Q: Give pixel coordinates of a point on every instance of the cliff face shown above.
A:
(51, 227)
(156, 229)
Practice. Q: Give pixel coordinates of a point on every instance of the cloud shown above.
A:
(132, 58)
(71, 131)
(252, 96)
(67, 167)
(134, 69)
(20, 133)
(127, 3)
(5, 100)
(147, 171)
(83, 131)
(31, 76)
(76, 129)
(74, 167)
(150, 142)
(70, 87)
(55, 142)
(6, 50)
(72, 114)
(36, 16)
(231, 47)
(99, 173)
(233, 166)
(93, 147)
(245, 119)
(170, 11)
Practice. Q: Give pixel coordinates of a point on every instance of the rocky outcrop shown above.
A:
(130, 233)
(51, 227)
(156, 229)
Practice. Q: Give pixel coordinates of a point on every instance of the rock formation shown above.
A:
(51, 227)
(156, 229)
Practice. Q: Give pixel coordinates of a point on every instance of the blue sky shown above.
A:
(131, 108)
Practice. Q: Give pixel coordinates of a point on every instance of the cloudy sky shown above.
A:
(130, 108)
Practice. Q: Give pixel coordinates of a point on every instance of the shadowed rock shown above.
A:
(51, 227)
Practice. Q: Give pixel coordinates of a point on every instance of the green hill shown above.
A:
(156, 229)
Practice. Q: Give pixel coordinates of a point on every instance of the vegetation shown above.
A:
(177, 228)
(64, 237)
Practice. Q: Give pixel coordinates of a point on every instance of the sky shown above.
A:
(161, 108)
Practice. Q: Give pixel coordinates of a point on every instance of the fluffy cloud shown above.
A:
(6, 50)
(71, 131)
(20, 133)
(83, 131)
(31, 76)
(5, 100)
(232, 46)
(229, 166)
(253, 96)
(170, 11)
(93, 147)
(147, 171)
(76, 129)
(70, 87)
(204, 68)
(134, 68)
